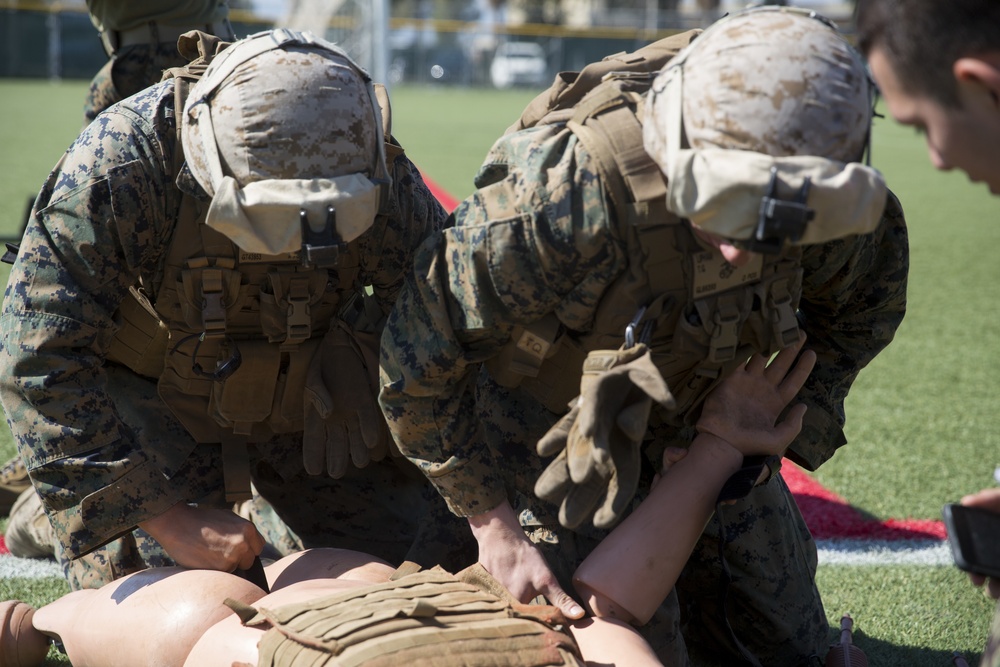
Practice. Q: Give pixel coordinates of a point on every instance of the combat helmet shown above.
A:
(758, 126)
(284, 133)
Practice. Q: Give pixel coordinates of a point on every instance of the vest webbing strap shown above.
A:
(236, 468)
(613, 112)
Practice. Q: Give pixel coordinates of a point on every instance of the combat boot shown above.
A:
(13, 481)
(29, 533)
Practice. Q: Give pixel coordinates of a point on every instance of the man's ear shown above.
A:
(983, 70)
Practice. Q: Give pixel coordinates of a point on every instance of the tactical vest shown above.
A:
(416, 618)
(700, 315)
(228, 334)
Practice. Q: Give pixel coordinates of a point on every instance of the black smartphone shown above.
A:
(974, 535)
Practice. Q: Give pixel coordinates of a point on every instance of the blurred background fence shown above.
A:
(444, 42)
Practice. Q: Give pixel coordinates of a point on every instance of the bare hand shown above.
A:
(508, 555)
(206, 538)
(988, 499)
(744, 408)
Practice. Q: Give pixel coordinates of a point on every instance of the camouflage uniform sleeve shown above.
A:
(853, 300)
(387, 251)
(535, 238)
(97, 220)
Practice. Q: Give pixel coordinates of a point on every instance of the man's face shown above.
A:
(966, 137)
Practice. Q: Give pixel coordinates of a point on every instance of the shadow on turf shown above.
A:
(881, 653)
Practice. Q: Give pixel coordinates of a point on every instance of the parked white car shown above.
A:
(519, 64)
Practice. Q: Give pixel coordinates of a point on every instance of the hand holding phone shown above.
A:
(974, 535)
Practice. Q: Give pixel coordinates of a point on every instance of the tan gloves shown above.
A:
(343, 422)
(598, 442)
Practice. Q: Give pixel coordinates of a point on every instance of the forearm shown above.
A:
(109, 511)
(633, 570)
(428, 398)
(84, 462)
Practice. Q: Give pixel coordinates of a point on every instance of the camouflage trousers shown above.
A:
(991, 654)
(131, 69)
(385, 509)
(769, 597)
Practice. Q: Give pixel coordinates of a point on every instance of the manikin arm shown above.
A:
(654, 542)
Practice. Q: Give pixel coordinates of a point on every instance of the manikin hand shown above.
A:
(987, 499)
(513, 560)
(744, 409)
(206, 538)
(629, 574)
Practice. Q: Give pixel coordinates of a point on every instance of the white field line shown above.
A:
(831, 552)
(883, 552)
(28, 568)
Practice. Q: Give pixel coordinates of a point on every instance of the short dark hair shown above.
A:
(922, 39)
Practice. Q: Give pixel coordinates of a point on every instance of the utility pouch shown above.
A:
(185, 392)
(141, 340)
(246, 396)
(208, 296)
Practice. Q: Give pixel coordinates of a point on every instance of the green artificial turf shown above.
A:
(922, 420)
(447, 131)
(923, 424)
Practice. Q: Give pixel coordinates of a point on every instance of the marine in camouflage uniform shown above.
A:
(540, 238)
(140, 39)
(104, 451)
(141, 42)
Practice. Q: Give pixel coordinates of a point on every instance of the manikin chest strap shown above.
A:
(418, 617)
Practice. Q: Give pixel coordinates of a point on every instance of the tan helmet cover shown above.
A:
(780, 98)
(284, 122)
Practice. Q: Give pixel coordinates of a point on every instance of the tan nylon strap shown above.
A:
(784, 324)
(382, 98)
(478, 576)
(299, 323)
(405, 569)
(723, 324)
(236, 468)
(612, 111)
(604, 161)
(513, 634)
(624, 132)
(571, 87)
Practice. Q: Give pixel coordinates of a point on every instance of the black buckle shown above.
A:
(779, 220)
(321, 248)
(223, 369)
